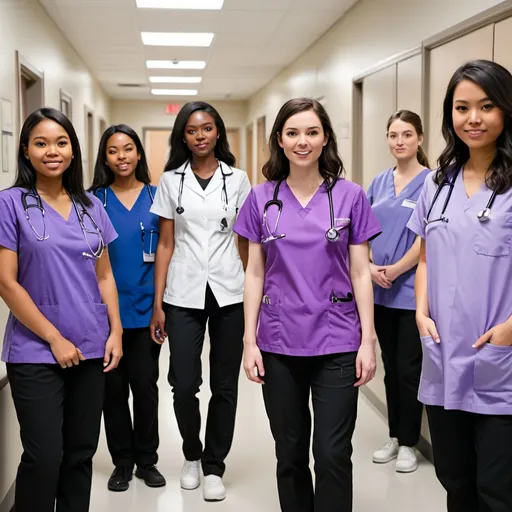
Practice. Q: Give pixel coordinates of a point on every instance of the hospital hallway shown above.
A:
(250, 475)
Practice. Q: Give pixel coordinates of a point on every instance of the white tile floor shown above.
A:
(250, 475)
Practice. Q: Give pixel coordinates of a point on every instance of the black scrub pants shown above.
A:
(400, 345)
(330, 379)
(186, 329)
(473, 459)
(136, 442)
(59, 412)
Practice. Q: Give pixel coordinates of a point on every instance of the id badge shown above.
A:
(407, 203)
(148, 257)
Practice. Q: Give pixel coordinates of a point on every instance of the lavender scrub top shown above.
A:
(303, 270)
(59, 278)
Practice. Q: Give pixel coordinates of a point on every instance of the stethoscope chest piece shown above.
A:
(180, 210)
(484, 215)
(332, 235)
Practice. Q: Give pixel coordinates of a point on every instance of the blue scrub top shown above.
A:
(134, 277)
(393, 212)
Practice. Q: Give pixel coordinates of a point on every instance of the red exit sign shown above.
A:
(172, 108)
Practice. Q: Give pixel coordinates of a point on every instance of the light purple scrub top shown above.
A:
(303, 269)
(393, 212)
(59, 279)
(469, 271)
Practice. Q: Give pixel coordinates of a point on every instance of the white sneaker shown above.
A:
(190, 475)
(387, 453)
(406, 462)
(213, 488)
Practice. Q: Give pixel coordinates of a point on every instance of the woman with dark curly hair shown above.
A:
(309, 305)
(463, 292)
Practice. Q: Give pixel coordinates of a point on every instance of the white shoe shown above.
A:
(406, 462)
(387, 453)
(213, 488)
(190, 475)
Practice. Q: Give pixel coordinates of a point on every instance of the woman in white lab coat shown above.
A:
(199, 277)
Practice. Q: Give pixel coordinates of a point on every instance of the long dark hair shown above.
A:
(180, 153)
(72, 178)
(496, 81)
(103, 174)
(415, 120)
(329, 164)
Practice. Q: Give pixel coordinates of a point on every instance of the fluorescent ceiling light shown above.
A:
(174, 92)
(202, 39)
(175, 64)
(175, 79)
(210, 5)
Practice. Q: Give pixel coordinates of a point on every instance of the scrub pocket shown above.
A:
(494, 237)
(269, 325)
(493, 369)
(431, 383)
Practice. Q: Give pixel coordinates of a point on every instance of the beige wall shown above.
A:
(25, 26)
(151, 114)
(370, 32)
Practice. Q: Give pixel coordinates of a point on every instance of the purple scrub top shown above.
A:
(469, 279)
(60, 280)
(303, 269)
(393, 212)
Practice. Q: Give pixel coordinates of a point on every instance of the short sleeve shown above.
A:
(244, 189)
(248, 223)
(163, 204)
(8, 224)
(416, 223)
(364, 224)
(107, 229)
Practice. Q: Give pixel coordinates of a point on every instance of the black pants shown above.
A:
(133, 443)
(186, 329)
(473, 459)
(400, 344)
(288, 383)
(59, 412)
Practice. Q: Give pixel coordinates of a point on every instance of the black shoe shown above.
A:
(120, 478)
(151, 476)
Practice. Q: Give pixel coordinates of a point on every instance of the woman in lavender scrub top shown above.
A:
(64, 330)
(464, 292)
(393, 195)
(309, 305)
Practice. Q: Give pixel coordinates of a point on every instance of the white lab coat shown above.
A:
(204, 250)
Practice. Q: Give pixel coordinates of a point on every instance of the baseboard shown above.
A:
(7, 504)
(423, 446)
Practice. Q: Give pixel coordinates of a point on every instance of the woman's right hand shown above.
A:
(252, 362)
(157, 326)
(379, 276)
(66, 354)
(427, 327)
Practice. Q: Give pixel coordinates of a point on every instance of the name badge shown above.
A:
(341, 222)
(407, 203)
(148, 257)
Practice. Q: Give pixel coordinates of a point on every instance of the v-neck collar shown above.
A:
(49, 208)
(407, 187)
(303, 211)
(469, 202)
(121, 203)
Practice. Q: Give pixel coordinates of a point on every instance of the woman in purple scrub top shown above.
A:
(309, 305)
(393, 195)
(464, 292)
(64, 330)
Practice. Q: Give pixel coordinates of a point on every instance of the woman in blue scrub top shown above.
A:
(393, 195)
(464, 292)
(122, 183)
(64, 332)
(309, 305)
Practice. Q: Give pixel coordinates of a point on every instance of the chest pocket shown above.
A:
(494, 237)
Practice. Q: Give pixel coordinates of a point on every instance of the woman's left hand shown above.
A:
(500, 335)
(113, 352)
(365, 364)
(391, 272)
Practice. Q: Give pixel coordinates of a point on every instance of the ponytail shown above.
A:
(422, 158)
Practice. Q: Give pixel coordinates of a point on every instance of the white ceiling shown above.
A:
(254, 40)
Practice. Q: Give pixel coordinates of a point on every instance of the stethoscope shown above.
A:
(224, 191)
(483, 215)
(332, 234)
(81, 215)
(105, 192)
